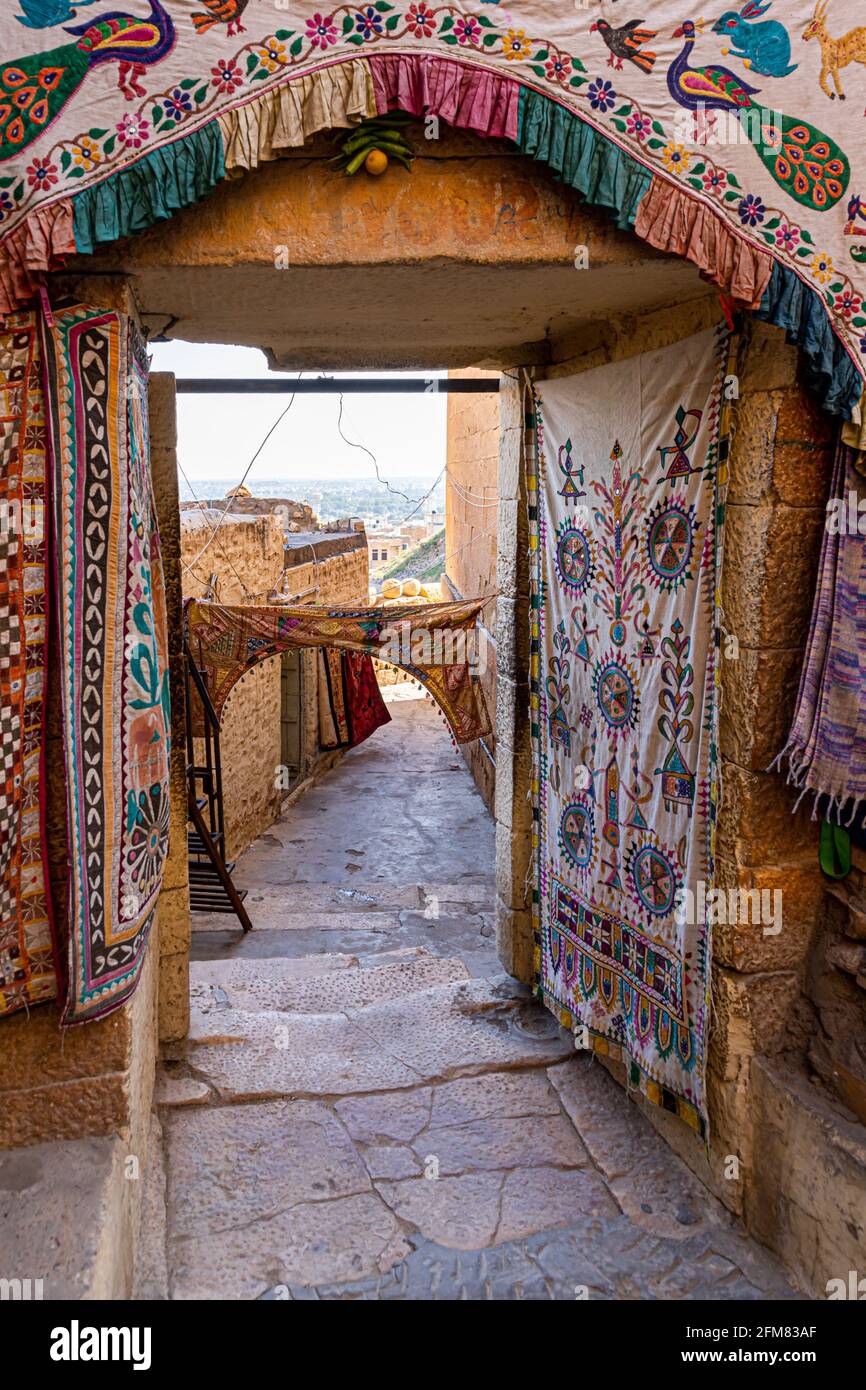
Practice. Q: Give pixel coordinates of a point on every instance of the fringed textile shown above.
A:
(351, 707)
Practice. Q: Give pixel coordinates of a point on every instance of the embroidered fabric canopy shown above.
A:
(723, 141)
(433, 642)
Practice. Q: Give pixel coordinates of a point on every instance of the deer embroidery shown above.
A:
(835, 53)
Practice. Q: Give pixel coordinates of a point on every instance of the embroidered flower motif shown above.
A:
(368, 22)
(715, 182)
(132, 131)
(6, 205)
(751, 210)
(516, 46)
(558, 69)
(676, 157)
(42, 174)
(321, 30)
(420, 20)
(467, 30)
(272, 54)
(601, 94)
(226, 76)
(178, 104)
(86, 154)
(848, 303)
(821, 267)
(638, 126)
(863, 344)
(787, 237)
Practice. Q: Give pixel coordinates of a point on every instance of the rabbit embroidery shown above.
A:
(765, 48)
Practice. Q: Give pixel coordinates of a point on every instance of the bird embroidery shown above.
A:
(626, 42)
(221, 12)
(805, 162)
(44, 14)
(35, 89)
(765, 48)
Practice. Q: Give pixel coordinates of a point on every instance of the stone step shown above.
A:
(462, 1028)
(311, 985)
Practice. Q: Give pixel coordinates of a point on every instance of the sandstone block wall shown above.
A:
(471, 528)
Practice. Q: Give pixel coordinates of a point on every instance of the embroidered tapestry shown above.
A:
(113, 652)
(351, 707)
(627, 484)
(27, 957)
(434, 642)
(737, 140)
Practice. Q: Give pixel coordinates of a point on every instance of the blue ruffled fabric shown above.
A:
(149, 190)
(790, 304)
(603, 173)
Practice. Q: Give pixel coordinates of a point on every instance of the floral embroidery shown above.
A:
(467, 30)
(133, 132)
(751, 210)
(42, 175)
(6, 205)
(227, 76)
(420, 20)
(848, 303)
(558, 69)
(715, 181)
(86, 154)
(601, 94)
(821, 268)
(676, 157)
(368, 22)
(321, 30)
(638, 126)
(272, 54)
(787, 237)
(516, 46)
(178, 104)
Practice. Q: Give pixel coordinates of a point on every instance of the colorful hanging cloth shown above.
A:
(351, 707)
(826, 748)
(735, 141)
(28, 973)
(436, 643)
(626, 485)
(112, 652)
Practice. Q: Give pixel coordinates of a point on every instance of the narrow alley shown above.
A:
(366, 1107)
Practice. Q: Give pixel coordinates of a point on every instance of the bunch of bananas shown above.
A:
(374, 142)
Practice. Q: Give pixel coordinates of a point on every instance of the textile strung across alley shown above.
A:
(627, 482)
(826, 748)
(351, 707)
(27, 961)
(433, 642)
(738, 142)
(113, 652)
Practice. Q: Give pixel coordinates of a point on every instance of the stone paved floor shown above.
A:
(368, 1108)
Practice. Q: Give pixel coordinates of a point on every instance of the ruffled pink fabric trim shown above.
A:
(469, 98)
(674, 221)
(38, 244)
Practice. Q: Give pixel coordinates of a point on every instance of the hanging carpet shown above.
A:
(625, 487)
(351, 707)
(112, 652)
(434, 642)
(27, 956)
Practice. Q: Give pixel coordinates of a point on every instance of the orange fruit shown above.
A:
(376, 162)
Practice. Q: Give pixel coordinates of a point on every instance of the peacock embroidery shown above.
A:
(805, 162)
(35, 89)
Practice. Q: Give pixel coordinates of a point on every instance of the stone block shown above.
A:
(512, 637)
(769, 572)
(770, 361)
(759, 691)
(744, 946)
(173, 996)
(514, 944)
(513, 851)
(757, 825)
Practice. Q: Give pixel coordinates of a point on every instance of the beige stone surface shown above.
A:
(246, 987)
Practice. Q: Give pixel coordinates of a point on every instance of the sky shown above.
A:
(218, 435)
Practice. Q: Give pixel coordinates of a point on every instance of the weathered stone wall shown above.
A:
(471, 523)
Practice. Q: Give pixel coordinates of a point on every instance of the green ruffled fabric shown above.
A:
(150, 190)
(603, 173)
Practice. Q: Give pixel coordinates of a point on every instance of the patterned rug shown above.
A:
(27, 956)
(113, 653)
(625, 501)
(433, 642)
